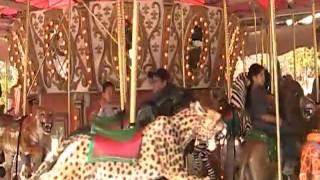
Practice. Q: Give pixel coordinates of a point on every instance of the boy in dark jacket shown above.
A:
(168, 99)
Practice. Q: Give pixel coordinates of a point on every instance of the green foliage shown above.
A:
(305, 67)
(304, 63)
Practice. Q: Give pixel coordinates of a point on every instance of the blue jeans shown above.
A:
(290, 151)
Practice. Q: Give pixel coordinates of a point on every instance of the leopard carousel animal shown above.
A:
(161, 152)
(35, 139)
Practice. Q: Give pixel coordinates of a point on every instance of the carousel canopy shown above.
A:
(11, 7)
(242, 8)
(9, 10)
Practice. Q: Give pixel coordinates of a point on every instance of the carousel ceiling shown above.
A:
(12, 7)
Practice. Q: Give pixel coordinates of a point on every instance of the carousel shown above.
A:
(61, 60)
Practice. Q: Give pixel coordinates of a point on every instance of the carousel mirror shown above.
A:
(128, 34)
(59, 51)
(195, 47)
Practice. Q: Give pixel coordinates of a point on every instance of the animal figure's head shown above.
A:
(308, 108)
(209, 123)
(290, 96)
(205, 124)
(311, 112)
(44, 119)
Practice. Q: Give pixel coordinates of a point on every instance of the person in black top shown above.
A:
(263, 119)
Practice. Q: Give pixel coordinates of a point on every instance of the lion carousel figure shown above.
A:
(28, 134)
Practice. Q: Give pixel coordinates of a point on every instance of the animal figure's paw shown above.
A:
(25, 172)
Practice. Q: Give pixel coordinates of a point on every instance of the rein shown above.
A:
(20, 120)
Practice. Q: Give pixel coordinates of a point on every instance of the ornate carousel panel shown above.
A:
(193, 42)
(105, 49)
(172, 36)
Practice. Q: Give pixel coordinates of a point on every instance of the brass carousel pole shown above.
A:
(294, 46)
(262, 43)
(227, 56)
(133, 86)
(182, 49)
(275, 69)
(121, 51)
(6, 86)
(315, 48)
(255, 32)
(243, 57)
(24, 95)
(69, 69)
(124, 56)
(268, 49)
(25, 62)
(271, 59)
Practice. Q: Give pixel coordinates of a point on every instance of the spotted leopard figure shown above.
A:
(161, 153)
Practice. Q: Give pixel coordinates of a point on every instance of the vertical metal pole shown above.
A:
(182, 49)
(268, 49)
(124, 55)
(271, 59)
(243, 57)
(227, 56)
(121, 50)
(230, 145)
(25, 70)
(262, 44)
(294, 46)
(69, 69)
(133, 87)
(255, 32)
(25, 62)
(6, 85)
(315, 48)
(275, 69)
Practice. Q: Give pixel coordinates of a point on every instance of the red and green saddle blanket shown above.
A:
(110, 144)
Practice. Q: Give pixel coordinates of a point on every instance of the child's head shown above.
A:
(108, 91)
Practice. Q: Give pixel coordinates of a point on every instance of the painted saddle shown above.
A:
(112, 144)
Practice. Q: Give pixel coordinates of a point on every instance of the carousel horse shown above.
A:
(255, 157)
(34, 141)
(160, 155)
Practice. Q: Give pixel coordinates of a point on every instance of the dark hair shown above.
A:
(254, 70)
(106, 85)
(267, 83)
(161, 73)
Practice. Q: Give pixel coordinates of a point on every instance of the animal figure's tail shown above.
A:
(52, 157)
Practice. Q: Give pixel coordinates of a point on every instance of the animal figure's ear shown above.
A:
(214, 114)
(196, 106)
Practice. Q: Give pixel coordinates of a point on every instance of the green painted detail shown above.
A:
(262, 136)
